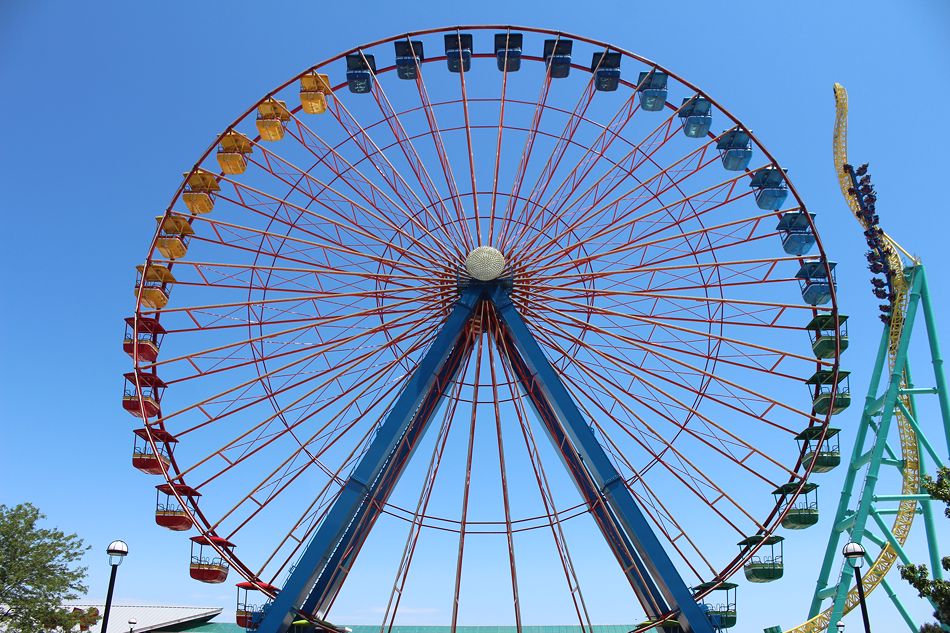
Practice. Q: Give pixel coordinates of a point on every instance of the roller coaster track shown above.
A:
(904, 518)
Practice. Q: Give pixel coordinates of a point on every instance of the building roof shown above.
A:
(155, 618)
(196, 620)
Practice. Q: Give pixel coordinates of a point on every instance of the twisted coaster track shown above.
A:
(906, 286)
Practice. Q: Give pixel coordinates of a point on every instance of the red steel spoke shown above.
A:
(415, 526)
(468, 478)
(618, 172)
(525, 156)
(399, 132)
(374, 196)
(546, 495)
(471, 153)
(498, 143)
(503, 473)
(585, 389)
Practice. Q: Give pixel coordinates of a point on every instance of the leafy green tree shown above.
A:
(918, 575)
(38, 573)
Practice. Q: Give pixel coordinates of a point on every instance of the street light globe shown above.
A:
(854, 554)
(840, 627)
(117, 550)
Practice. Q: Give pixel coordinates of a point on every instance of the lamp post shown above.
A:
(840, 626)
(117, 551)
(132, 623)
(854, 554)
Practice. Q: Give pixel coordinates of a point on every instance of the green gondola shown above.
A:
(804, 512)
(767, 565)
(828, 331)
(826, 455)
(823, 382)
(721, 614)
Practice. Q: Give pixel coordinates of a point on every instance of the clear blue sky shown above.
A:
(107, 103)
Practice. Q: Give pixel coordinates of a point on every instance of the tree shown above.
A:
(918, 575)
(38, 573)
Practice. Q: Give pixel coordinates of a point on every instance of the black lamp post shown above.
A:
(117, 551)
(854, 554)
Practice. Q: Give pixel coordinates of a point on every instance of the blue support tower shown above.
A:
(318, 574)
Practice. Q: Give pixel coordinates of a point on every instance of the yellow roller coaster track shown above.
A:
(908, 439)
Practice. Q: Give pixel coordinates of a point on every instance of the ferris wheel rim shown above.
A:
(734, 565)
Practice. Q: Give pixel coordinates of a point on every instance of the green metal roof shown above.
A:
(825, 377)
(789, 488)
(758, 538)
(825, 322)
(814, 432)
(215, 627)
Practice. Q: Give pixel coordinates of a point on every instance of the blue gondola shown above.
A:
(458, 52)
(736, 148)
(813, 277)
(409, 55)
(557, 57)
(359, 72)
(696, 116)
(770, 188)
(606, 69)
(508, 51)
(652, 90)
(795, 228)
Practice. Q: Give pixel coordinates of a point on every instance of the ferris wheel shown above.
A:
(479, 318)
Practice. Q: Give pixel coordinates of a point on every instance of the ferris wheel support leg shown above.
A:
(345, 554)
(609, 482)
(356, 491)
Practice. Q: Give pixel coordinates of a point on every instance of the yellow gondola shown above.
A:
(173, 236)
(314, 89)
(271, 116)
(197, 196)
(233, 151)
(154, 279)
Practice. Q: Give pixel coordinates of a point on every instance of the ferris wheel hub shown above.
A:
(485, 263)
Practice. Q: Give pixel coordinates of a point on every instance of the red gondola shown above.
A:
(247, 615)
(152, 462)
(143, 345)
(208, 566)
(151, 394)
(171, 514)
